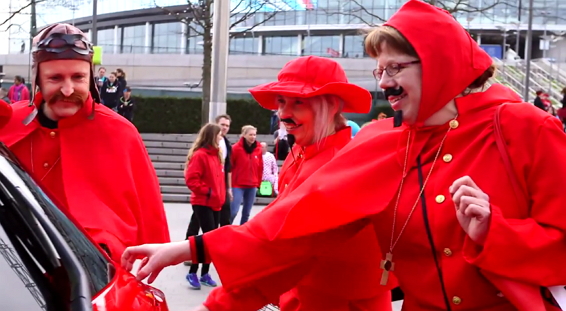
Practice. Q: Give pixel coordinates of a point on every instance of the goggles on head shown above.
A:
(58, 43)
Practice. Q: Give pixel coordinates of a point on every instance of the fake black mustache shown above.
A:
(289, 121)
(393, 91)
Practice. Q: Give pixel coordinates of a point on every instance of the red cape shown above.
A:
(109, 181)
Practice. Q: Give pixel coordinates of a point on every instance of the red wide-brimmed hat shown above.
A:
(313, 76)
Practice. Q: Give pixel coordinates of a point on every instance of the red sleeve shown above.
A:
(537, 243)
(151, 219)
(194, 175)
(263, 261)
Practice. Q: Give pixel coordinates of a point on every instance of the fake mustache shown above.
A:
(393, 91)
(289, 121)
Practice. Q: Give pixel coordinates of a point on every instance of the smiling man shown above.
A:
(88, 158)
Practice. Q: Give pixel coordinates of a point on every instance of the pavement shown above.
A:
(180, 297)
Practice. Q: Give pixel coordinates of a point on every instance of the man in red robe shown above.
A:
(90, 160)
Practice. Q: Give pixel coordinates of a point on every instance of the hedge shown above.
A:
(182, 115)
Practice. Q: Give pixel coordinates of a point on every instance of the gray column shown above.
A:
(116, 40)
(148, 35)
(260, 45)
(299, 44)
(220, 46)
(184, 38)
(341, 46)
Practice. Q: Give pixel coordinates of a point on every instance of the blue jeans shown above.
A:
(247, 195)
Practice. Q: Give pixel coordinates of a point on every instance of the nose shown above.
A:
(386, 81)
(67, 89)
(285, 112)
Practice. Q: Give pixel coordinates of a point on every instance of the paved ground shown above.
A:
(172, 280)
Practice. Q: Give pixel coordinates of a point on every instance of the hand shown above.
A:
(155, 257)
(201, 308)
(472, 208)
(230, 195)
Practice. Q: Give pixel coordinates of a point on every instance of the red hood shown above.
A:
(451, 59)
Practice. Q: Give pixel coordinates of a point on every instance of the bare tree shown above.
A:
(198, 18)
(355, 12)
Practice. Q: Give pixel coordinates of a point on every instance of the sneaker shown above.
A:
(207, 280)
(193, 280)
(187, 263)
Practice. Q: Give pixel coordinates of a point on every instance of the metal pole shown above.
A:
(528, 50)
(518, 43)
(504, 55)
(94, 32)
(220, 44)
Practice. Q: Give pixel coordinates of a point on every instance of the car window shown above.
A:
(99, 269)
(18, 290)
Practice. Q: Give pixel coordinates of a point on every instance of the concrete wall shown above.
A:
(161, 69)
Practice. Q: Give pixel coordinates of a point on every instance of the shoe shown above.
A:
(187, 263)
(193, 280)
(207, 280)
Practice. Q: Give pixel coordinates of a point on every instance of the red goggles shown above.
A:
(58, 43)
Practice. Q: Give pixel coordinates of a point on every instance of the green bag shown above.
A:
(265, 189)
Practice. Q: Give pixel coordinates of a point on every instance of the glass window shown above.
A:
(281, 45)
(167, 38)
(134, 39)
(244, 45)
(328, 46)
(106, 40)
(354, 46)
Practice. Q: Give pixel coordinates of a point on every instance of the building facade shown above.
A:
(329, 28)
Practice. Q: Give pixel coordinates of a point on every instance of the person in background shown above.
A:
(281, 146)
(4, 95)
(270, 168)
(126, 105)
(204, 175)
(561, 113)
(101, 77)
(538, 100)
(382, 115)
(121, 76)
(111, 92)
(247, 170)
(18, 91)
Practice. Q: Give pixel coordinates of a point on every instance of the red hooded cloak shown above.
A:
(523, 245)
(98, 169)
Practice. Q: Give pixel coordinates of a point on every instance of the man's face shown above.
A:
(65, 85)
(224, 126)
(298, 117)
(101, 72)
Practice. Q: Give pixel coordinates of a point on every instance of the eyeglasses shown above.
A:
(392, 69)
(58, 43)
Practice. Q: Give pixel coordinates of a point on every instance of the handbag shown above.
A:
(524, 296)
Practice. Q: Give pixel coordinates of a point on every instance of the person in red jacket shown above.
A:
(90, 160)
(247, 171)
(341, 280)
(204, 175)
(462, 187)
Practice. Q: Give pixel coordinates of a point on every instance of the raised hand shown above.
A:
(472, 208)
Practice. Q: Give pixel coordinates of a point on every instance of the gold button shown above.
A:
(454, 124)
(52, 134)
(456, 300)
(447, 157)
(440, 198)
(46, 165)
(448, 252)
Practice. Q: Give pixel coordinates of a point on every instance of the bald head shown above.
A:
(263, 147)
